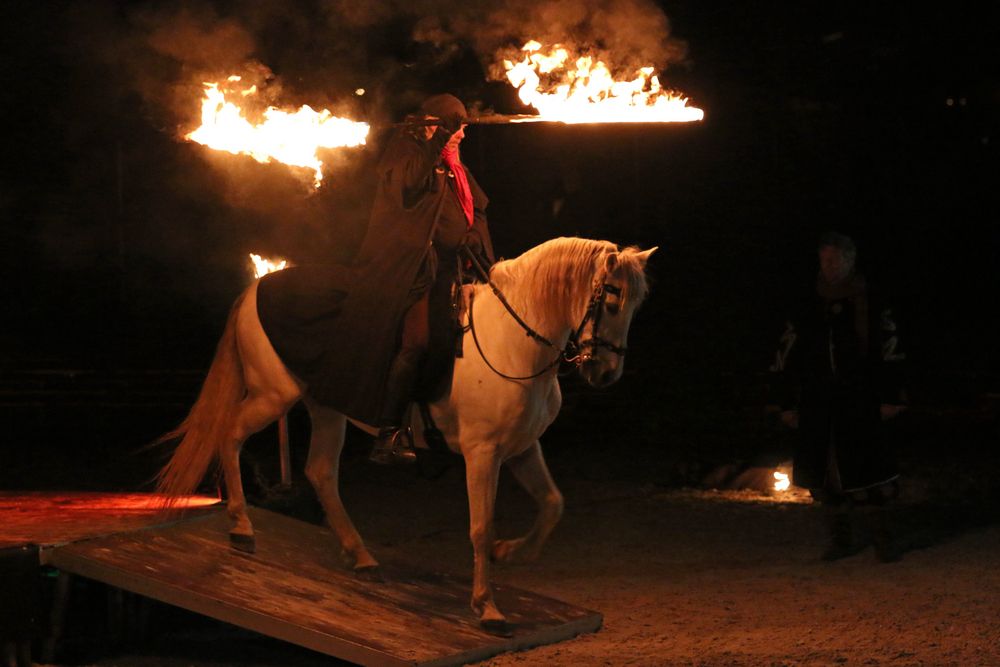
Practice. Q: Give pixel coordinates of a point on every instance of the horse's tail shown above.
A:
(210, 420)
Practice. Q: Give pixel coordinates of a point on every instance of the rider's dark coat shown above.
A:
(338, 327)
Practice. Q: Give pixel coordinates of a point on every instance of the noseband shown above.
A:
(575, 350)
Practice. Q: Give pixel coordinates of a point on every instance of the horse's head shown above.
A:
(618, 288)
(592, 288)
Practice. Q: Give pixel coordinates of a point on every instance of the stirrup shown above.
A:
(393, 445)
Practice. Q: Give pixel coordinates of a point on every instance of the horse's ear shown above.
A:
(644, 254)
(611, 262)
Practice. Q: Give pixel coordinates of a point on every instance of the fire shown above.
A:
(781, 481)
(580, 89)
(289, 137)
(263, 266)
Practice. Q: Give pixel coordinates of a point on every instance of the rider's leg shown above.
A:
(393, 444)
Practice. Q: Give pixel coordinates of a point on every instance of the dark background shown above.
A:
(123, 246)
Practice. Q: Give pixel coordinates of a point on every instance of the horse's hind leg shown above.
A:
(322, 469)
(530, 470)
(271, 391)
(254, 413)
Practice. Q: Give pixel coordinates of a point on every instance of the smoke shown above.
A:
(205, 40)
(627, 34)
(319, 52)
(168, 51)
(111, 202)
(633, 31)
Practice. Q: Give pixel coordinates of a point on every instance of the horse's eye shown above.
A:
(612, 299)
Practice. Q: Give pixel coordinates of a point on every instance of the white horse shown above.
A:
(565, 289)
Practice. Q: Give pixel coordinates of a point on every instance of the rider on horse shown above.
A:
(357, 335)
(427, 206)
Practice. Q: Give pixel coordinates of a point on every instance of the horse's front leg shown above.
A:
(482, 469)
(531, 472)
(322, 470)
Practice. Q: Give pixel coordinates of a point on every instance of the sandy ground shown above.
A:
(702, 578)
(683, 577)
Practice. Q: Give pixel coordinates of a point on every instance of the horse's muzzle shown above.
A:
(598, 374)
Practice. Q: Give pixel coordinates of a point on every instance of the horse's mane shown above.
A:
(560, 271)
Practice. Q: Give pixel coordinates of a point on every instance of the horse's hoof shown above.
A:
(372, 573)
(496, 627)
(244, 543)
(500, 553)
(508, 551)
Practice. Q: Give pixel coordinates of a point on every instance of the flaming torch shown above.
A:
(263, 266)
(290, 137)
(577, 88)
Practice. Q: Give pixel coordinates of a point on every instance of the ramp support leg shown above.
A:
(57, 620)
(284, 452)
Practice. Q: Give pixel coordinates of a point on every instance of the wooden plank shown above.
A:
(294, 588)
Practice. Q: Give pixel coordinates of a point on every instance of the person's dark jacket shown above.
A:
(337, 328)
(838, 361)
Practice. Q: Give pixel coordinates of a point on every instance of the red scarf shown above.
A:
(461, 182)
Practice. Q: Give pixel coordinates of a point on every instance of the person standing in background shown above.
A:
(839, 377)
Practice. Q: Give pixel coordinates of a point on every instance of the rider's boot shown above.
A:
(394, 443)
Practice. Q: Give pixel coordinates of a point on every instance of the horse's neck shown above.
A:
(548, 317)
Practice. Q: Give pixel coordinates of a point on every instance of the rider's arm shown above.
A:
(413, 169)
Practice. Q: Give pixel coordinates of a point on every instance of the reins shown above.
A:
(572, 353)
(555, 362)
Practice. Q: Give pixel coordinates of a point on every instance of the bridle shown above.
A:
(574, 352)
(595, 310)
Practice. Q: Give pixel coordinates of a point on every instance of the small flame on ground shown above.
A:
(289, 137)
(263, 266)
(578, 89)
(781, 481)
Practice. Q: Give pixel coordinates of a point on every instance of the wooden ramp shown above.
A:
(295, 589)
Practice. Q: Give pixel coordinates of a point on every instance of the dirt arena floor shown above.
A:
(725, 579)
(732, 578)
(682, 576)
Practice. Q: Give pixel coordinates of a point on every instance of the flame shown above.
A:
(781, 481)
(289, 137)
(580, 89)
(263, 266)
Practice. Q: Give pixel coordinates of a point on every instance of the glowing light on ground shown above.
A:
(781, 481)
(116, 502)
